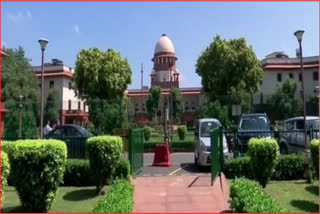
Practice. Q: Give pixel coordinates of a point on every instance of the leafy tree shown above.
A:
(313, 104)
(18, 78)
(177, 103)
(51, 108)
(101, 77)
(153, 101)
(284, 101)
(215, 110)
(229, 68)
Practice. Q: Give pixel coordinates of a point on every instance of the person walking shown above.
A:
(47, 129)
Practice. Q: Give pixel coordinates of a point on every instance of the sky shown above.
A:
(134, 28)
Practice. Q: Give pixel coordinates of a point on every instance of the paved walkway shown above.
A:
(180, 194)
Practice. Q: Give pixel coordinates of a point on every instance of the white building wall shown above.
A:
(57, 85)
(69, 94)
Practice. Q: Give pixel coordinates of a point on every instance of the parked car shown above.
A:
(252, 126)
(293, 142)
(74, 136)
(202, 153)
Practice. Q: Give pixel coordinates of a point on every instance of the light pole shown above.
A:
(20, 117)
(299, 35)
(171, 104)
(43, 43)
(141, 116)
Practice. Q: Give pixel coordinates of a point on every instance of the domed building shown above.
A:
(165, 74)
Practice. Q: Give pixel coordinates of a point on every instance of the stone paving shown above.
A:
(180, 194)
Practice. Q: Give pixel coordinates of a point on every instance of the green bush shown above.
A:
(147, 132)
(78, 173)
(248, 197)
(119, 199)
(7, 147)
(104, 155)
(238, 167)
(182, 132)
(122, 170)
(263, 158)
(314, 148)
(37, 169)
(290, 167)
(5, 171)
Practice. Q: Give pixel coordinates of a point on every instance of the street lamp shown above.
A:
(43, 43)
(20, 117)
(299, 35)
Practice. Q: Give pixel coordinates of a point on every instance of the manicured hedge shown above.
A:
(248, 197)
(7, 147)
(288, 167)
(147, 132)
(122, 170)
(119, 199)
(263, 154)
(5, 171)
(104, 154)
(182, 132)
(314, 148)
(37, 170)
(174, 146)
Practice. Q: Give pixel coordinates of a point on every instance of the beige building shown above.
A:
(59, 77)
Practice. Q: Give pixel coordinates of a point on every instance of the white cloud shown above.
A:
(3, 43)
(19, 16)
(76, 28)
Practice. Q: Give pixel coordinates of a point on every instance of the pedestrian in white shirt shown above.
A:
(47, 129)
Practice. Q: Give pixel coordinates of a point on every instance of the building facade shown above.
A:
(58, 76)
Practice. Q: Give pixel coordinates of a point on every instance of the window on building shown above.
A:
(279, 77)
(69, 104)
(300, 77)
(291, 75)
(79, 105)
(316, 76)
(70, 85)
(51, 84)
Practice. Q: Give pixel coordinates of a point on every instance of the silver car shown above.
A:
(292, 139)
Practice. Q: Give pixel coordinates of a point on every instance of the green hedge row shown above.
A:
(175, 146)
(288, 167)
(147, 132)
(248, 197)
(37, 168)
(5, 171)
(119, 199)
(182, 132)
(314, 148)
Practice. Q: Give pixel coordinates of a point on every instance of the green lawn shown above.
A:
(68, 199)
(157, 138)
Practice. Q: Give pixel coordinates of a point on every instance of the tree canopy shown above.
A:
(177, 102)
(101, 74)
(51, 109)
(284, 102)
(215, 110)
(153, 101)
(229, 67)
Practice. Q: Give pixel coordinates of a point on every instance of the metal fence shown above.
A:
(217, 156)
(136, 150)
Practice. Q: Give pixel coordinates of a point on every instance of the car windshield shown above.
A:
(85, 132)
(254, 123)
(206, 127)
(314, 124)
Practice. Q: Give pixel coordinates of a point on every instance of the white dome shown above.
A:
(164, 45)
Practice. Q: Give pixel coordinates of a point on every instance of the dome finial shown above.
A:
(164, 34)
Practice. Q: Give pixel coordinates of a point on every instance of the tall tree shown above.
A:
(101, 77)
(177, 103)
(51, 109)
(153, 101)
(229, 68)
(18, 78)
(215, 110)
(284, 102)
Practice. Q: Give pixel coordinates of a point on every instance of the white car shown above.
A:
(202, 154)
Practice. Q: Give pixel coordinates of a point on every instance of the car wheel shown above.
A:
(283, 149)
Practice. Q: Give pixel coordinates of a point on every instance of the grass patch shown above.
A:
(68, 199)
(157, 138)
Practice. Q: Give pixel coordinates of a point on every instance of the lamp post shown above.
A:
(171, 103)
(299, 35)
(43, 43)
(20, 117)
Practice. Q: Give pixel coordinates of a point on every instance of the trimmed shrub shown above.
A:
(263, 154)
(314, 148)
(104, 155)
(119, 199)
(122, 170)
(248, 197)
(5, 171)
(147, 132)
(238, 167)
(182, 132)
(37, 169)
(78, 173)
(7, 147)
(290, 167)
